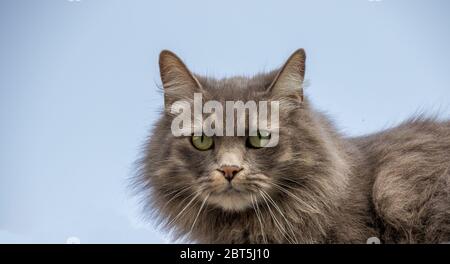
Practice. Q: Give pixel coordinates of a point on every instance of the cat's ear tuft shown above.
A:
(289, 80)
(178, 82)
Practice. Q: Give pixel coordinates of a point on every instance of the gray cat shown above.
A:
(314, 186)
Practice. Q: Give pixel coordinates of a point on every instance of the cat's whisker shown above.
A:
(292, 180)
(259, 219)
(260, 213)
(270, 214)
(277, 224)
(256, 184)
(199, 211)
(318, 191)
(185, 207)
(312, 210)
(184, 199)
(176, 190)
(204, 180)
(303, 204)
(289, 226)
(178, 193)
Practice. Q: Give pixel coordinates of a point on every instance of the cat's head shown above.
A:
(232, 173)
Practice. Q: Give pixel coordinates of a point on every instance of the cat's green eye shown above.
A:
(202, 142)
(259, 141)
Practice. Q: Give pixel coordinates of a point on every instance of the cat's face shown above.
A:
(229, 172)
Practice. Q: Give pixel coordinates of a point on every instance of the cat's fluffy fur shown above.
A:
(318, 185)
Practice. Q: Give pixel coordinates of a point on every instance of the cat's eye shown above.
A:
(202, 142)
(260, 140)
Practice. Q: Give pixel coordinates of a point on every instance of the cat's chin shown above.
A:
(232, 202)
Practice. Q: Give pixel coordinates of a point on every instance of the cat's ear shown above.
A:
(178, 82)
(289, 80)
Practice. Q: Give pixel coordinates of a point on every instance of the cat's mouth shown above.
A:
(231, 198)
(231, 189)
(237, 194)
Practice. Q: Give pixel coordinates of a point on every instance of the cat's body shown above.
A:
(315, 186)
(408, 168)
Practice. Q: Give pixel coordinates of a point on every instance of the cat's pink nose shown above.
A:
(229, 172)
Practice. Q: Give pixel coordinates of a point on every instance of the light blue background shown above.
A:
(78, 89)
